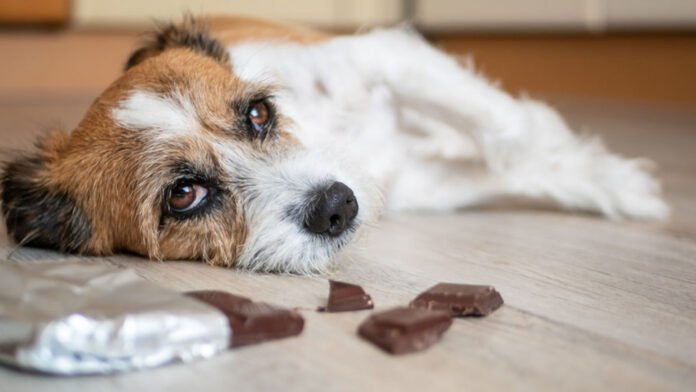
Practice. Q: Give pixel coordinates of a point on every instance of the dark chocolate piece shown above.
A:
(252, 322)
(460, 299)
(346, 297)
(405, 330)
(222, 300)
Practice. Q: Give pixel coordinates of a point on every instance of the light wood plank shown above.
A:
(590, 304)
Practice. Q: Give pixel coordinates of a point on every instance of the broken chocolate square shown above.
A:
(405, 330)
(346, 297)
(251, 322)
(460, 299)
(222, 300)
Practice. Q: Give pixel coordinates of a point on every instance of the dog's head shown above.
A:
(180, 159)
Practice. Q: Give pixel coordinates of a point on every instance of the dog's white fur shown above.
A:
(165, 116)
(438, 136)
(275, 192)
(431, 133)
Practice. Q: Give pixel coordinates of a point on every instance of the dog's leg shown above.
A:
(525, 147)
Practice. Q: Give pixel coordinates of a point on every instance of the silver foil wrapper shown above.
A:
(85, 318)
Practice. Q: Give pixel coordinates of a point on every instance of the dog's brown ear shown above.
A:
(192, 33)
(36, 212)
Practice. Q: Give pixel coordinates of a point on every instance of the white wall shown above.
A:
(335, 13)
(555, 14)
(429, 14)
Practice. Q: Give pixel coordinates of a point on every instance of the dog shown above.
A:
(268, 147)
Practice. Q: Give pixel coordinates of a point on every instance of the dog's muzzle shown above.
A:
(332, 211)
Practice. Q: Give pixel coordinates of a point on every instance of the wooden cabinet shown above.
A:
(16, 12)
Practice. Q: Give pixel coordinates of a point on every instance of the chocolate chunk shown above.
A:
(251, 322)
(460, 299)
(345, 297)
(405, 330)
(222, 300)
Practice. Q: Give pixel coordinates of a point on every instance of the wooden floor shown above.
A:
(590, 304)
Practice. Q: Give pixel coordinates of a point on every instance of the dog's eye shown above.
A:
(259, 115)
(186, 196)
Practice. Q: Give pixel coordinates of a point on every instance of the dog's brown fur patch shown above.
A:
(111, 179)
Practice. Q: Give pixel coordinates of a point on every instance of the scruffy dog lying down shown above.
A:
(247, 143)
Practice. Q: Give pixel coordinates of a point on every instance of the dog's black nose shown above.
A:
(333, 210)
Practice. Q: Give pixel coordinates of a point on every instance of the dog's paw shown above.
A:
(584, 176)
(631, 189)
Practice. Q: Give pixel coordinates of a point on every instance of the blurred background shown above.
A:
(615, 50)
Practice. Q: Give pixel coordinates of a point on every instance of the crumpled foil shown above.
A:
(85, 318)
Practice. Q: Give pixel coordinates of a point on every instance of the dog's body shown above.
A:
(437, 136)
(377, 110)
